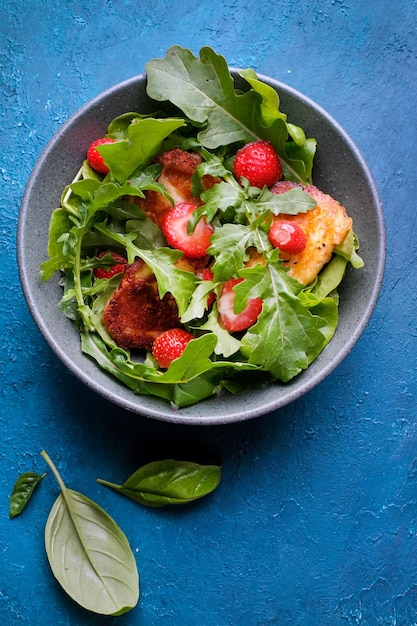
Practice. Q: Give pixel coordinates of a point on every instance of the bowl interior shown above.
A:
(339, 170)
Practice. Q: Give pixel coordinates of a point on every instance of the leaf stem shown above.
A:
(106, 483)
(55, 472)
(69, 192)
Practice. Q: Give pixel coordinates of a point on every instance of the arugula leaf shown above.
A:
(144, 139)
(198, 303)
(227, 345)
(284, 323)
(59, 228)
(348, 250)
(289, 203)
(299, 153)
(229, 245)
(161, 483)
(179, 283)
(329, 278)
(23, 489)
(204, 90)
(189, 379)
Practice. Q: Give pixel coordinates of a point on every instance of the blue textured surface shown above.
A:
(315, 521)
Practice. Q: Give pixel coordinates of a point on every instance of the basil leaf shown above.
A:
(169, 482)
(22, 491)
(89, 554)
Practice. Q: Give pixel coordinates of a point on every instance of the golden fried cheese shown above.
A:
(325, 226)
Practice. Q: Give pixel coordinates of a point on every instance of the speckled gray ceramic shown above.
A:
(339, 170)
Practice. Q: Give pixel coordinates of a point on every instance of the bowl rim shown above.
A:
(169, 414)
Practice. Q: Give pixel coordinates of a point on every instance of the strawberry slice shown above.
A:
(169, 345)
(233, 322)
(174, 227)
(94, 157)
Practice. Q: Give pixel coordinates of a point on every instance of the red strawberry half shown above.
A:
(174, 226)
(234, 322)
(288, 236)
(259, 163)
(170, 345)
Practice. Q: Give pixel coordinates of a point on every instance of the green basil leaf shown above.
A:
(22, 491)
(169, 482)
(89, 554)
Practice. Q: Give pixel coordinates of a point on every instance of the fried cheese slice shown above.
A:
(135, 315)
(325, 226)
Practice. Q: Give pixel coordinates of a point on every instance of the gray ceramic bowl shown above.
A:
(339, 170)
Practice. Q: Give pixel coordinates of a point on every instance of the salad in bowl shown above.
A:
(196, 254)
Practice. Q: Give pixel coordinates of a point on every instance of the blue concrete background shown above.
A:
(315, 521)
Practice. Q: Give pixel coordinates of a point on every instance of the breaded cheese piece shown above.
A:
(178, 167)
(325, 226)
(135, 315)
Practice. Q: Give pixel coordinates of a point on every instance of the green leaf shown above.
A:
(166, 482)
(227, 344)
(89, 554)
(189, 379)
(291, 202)
(220, 197)
(228, 245)
(270, 99)
(197, 306)
(179, 283)
(348, 250)
(284, 323)
(144, 139)
(204, 90)
(22, 492)
(330, 278)
(148, 235)
(119, 127)
(296, 151)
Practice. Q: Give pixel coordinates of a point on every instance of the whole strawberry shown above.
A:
(259, 163)
(169, 345)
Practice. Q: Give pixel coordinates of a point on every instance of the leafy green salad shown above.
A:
(212, 118)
